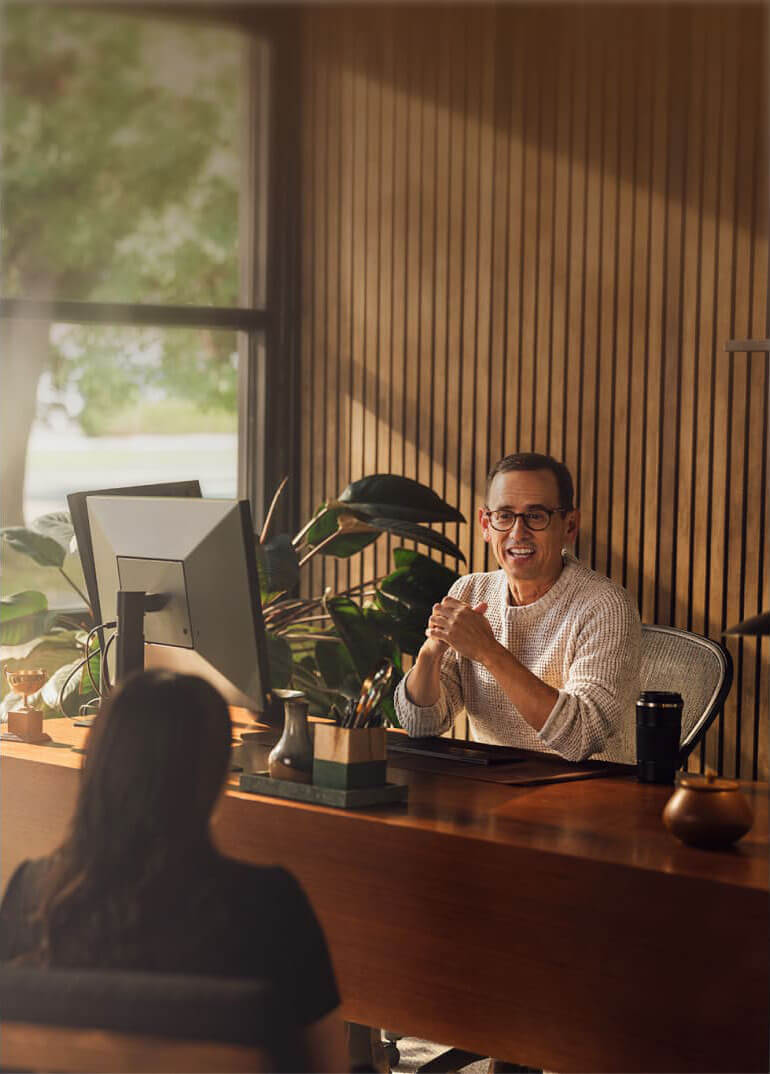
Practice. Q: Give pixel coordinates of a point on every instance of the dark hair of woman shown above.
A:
(156, 760)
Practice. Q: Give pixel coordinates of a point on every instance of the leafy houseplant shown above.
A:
(323, 645)
(327, 645)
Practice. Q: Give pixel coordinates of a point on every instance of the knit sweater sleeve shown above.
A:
(595, 702)
(434, 719)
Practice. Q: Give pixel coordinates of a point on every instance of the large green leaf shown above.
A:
(346, 545)
(23, 616)
(277, 565)
(420, 534)
(418, 580)
(44, 550)
(364, 639)
(409, 593)
(336, 667)
(396, 497)
(58, 526)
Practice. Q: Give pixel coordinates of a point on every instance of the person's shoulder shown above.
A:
(600, 593)
(270, 886)
(481, 585)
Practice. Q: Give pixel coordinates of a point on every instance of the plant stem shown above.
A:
(271, 510)
(298, 539)
(317, 548)
(79, 592)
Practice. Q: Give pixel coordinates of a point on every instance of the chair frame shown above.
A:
(719, 695)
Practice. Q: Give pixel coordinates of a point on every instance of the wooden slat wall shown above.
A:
(536, 228)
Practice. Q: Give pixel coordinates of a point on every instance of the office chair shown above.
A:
(90, 1021)
(671, 659)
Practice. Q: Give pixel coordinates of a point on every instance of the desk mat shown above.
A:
(530, 770)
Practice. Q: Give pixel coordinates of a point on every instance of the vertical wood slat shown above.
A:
(536, 228)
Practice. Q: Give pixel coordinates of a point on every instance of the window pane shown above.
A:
(125, 406)
(120, 165)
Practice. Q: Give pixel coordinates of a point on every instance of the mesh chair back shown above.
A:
(695, 667)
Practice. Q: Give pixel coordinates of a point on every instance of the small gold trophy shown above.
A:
(26, 724)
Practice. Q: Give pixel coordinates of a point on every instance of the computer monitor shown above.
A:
(78, 505)
(194, 562)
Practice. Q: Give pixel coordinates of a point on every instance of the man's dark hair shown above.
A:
(533, 460)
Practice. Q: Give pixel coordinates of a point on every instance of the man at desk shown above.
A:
(542, 654)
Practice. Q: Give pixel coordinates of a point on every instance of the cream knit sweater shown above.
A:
(582, 637)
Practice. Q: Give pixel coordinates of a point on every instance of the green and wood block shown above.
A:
(349, 758)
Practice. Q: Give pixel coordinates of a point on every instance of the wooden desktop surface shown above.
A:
(558, 926)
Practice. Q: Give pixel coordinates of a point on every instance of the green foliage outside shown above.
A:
(119, 181)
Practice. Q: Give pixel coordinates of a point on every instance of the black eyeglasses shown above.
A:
(537, 518)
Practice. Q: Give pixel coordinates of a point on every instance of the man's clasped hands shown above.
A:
(463, 627)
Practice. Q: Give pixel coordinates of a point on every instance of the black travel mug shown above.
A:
(658, 729)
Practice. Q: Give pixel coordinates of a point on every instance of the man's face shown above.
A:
(528, 555)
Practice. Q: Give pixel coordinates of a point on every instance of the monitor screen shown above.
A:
(197, 559)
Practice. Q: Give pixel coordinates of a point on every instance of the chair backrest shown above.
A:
(111, 1020)
(696, 667)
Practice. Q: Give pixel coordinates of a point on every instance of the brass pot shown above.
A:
(707, 812)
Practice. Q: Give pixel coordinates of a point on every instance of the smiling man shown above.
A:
(543, 653)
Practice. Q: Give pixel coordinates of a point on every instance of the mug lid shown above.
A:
(660, 697)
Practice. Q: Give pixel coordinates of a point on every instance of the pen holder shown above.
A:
(349, 758)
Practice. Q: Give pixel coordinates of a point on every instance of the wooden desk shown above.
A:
(558, 926)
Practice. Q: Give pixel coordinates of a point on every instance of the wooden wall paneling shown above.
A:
(709, 166)
(497, 327)
(608, 426)
(577, 267)
(453, 368)
(589, 341)
(707, 353)
(531, 104)
(690, 327)
(670, 340)
(359, 261)
(386, 164)
(486, 119)
(624, 83)
(558, 283)
(439, 89)
(516, 74)
(468, 294)
(344, 46)
(412, 266)
(653, 427)
(759, 428)
(643, 122)
(310, 413)
(738, 583)
(402, 89)
(373, 55)
(723, 320)
(426, 268)
(328, 164)
(546, 48)
(537, 227)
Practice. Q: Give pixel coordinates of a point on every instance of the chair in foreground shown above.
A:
(671, 659)
(92, 1021)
